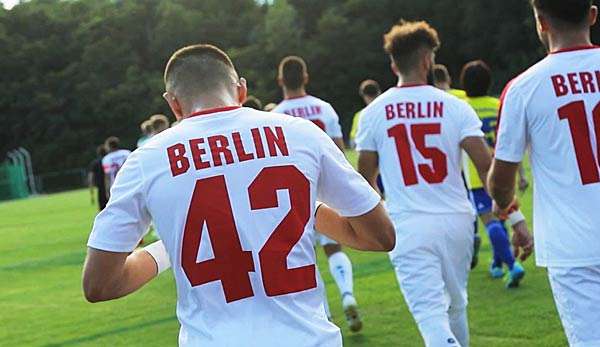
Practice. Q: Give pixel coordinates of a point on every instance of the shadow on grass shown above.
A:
(96, 336)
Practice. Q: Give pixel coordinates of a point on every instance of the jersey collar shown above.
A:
(210, 111)
(297, 97)
(576, 48)
(410, 85)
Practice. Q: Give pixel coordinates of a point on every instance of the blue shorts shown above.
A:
(481, 200)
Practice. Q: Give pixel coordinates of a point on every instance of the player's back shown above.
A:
(113, 161)
(314, 109)
(417, 131)
(555, 108)
(231, 196)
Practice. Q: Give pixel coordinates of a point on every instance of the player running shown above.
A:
(293, 78)
(415, 133)
(233, 193)
(476, 79)
(554, 108)
(113, 161)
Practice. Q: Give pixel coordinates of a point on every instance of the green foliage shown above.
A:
(76, 72)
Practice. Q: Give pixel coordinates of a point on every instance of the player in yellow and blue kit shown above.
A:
(476, 81)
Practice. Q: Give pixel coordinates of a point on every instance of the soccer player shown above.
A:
(233, 194)
(253, 102)
(113, 161)
(554, 108)
(293, 78)
(146, 128)
(476, 79)
(96, 178)
(414, 134)
(368, 90)
(160, 123)
(443, 81)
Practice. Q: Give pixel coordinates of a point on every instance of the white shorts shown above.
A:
(320, 239)
(432, 260)
(577, 295)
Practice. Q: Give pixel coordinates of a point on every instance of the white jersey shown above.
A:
(232, 194)
(112, 163)
(416, 131)
(315, 110)
(554, 107)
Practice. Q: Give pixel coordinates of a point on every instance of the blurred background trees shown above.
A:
(75, 72)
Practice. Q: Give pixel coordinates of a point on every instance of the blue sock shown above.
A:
(500, 244)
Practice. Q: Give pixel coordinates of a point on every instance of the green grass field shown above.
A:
(42, 249)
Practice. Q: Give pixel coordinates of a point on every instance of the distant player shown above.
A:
(414, 134)
(368, 90)
(476, 79)
(270, 107)
(253, 102)
(113, 161)
(554, 108)
(96, 178)
(443, 81)
(146, 129)
(160, 123)
(293, 78)
(233, 194)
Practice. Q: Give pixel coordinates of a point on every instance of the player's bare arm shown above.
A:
(480, 154)
(501, 185)
(372, 231)
(112, 275)
(368, 167)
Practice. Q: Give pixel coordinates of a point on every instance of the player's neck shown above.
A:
(569, 40)
(293, 93)
(209, 104)
(411, 79)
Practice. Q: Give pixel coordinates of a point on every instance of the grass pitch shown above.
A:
(42, 248)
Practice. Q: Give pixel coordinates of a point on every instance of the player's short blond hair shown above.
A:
(159, 122)
(406, 40)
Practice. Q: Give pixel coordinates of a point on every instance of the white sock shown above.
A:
(460, 325)
(436, 332)
(341, 271)
(321, 286)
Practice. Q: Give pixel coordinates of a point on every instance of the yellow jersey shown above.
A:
(486, 108)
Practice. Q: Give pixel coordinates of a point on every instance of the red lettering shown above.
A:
(260, 148)
(239, 148)
(410, 110)
(598, 80)
(438, 109)
(197, 153)
(317, 109)
(420, 110)
(586, 82)
(219, 145)
(572, 77)
(179, 163)
(276, 140)
(400, 110)
(389, 112)
(560, 88)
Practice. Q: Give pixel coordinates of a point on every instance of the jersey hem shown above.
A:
(108, 247)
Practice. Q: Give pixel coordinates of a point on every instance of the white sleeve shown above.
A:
(511, 141)
(471, 124)
(121, 225)
(106, 165)
(334, 129)
(365, 139)
(340, 186)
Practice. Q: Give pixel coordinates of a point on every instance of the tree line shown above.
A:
(75, 72)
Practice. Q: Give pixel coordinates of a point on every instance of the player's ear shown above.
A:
(174, 105)
(543, 25)
(394, 67)
(593, 15)
(305, 79)
(280, 81)
(242, 89)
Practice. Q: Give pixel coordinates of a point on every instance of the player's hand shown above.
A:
(502, 214)
(522, 241)
(523, 185)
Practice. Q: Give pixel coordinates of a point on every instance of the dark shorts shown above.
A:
(481, 200)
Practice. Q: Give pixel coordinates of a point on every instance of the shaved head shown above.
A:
(200, 71)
